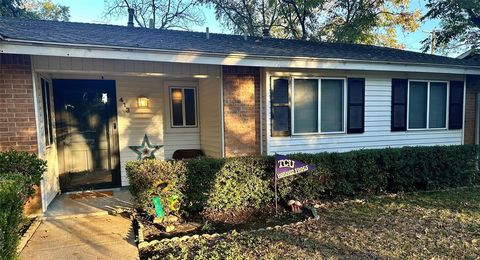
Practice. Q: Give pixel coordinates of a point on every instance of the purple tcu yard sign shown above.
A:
(285, 167)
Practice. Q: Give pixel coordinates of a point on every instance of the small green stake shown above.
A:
(158, 207)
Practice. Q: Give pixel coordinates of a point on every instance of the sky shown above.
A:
(91, 11)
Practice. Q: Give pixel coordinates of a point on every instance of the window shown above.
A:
(280, 107)
(305, 106)
(318, 105)
(183, 106)
(46, 108)
(427, 105)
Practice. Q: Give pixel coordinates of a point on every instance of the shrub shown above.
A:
(23, 163)
(383, 170)
(238, 183)
(149, 178)
(12, 199)
(227, 184)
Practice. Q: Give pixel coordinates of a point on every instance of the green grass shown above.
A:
(442, 224)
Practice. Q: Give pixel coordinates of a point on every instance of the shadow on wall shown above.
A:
(242, 111)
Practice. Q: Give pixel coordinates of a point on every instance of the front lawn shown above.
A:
(442, 224)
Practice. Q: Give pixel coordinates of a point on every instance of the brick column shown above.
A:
(473, 86)
(17, 109)
(241, 101)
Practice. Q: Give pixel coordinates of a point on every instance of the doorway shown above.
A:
(87, 135)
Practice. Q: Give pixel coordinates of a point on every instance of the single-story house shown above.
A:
(90, 97)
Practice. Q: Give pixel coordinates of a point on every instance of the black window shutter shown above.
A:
(356, 105)
(455, 112)
(280, 107)
(399, 104)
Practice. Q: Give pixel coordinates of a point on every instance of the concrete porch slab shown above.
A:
(98, 237)
(64, 206)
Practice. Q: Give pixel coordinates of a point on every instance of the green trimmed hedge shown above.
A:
(25, 164)
(12, 199)
(19, 172)
(236, 183)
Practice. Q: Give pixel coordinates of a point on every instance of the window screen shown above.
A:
(417, 111)
(305, 106)
(438, 105)
(332, 105)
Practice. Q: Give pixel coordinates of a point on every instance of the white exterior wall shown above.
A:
(150, 79)
(377, 132)
(210, 112)
(179, 137)
(49, 184)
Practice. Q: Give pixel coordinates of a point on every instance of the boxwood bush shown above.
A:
(12, 199)
(236, 183)
(23, 163)
(19, 172)
(149, 178)
(228, 184)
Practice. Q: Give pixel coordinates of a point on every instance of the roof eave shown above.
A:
(227, 58)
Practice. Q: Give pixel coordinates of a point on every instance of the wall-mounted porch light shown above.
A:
(142, 102)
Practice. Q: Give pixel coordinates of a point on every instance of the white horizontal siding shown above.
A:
(153, 121)
(133, 126)
(377, 126)
(122, 67)
(210, 125)
(179, 138)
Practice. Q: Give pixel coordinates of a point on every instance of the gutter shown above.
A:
(233, 55)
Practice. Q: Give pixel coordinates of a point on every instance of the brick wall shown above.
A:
(17, 113)
(241, 95)
(17, 110)
(473, 86)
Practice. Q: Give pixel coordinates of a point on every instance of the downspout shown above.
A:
(464, 100)
(222, 121)
(262, 78)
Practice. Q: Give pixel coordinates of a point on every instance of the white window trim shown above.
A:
(319, 86)
(170, 88)
(428, 128)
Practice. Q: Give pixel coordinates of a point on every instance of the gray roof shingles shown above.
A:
(122, 36)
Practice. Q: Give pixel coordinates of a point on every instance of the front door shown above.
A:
(87, 137)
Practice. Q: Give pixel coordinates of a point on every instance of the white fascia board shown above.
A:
(237, 59)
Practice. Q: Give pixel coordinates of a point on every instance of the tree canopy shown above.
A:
(351, 21)
(459, 24)
(34, 9)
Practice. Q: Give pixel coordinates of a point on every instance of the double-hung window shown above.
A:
(427, 104)
(183, 106)
(318, 105)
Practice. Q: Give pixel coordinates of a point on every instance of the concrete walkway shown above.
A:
(65, 206)
(97, 237)
(81, 228)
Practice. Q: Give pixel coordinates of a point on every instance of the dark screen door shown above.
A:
(87, 137)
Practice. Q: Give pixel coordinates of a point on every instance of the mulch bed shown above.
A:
(219, 222)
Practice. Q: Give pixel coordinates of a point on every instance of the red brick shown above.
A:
(17, 117)
(241, 111)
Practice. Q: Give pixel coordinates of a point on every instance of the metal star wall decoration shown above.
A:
(146, 150)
